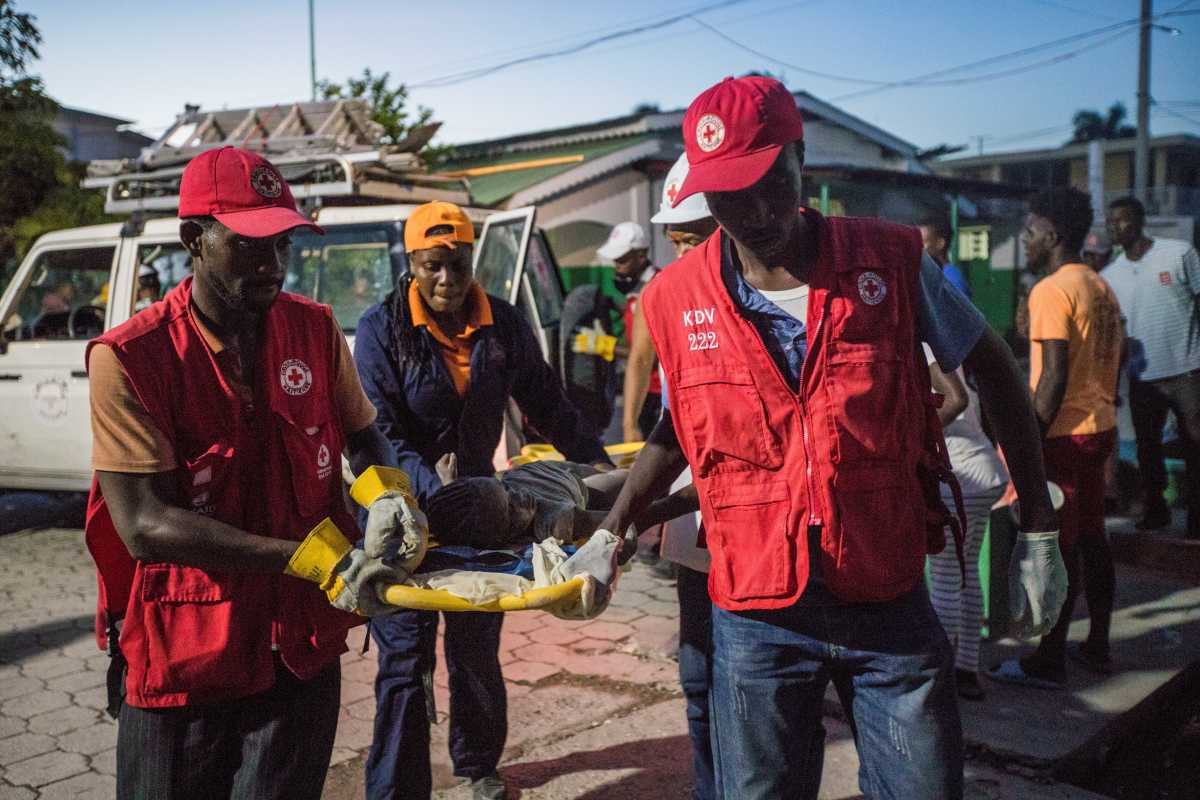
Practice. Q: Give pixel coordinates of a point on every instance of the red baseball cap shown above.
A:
(242, 190)
(733, 132)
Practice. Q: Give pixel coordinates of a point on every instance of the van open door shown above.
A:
(500, 253)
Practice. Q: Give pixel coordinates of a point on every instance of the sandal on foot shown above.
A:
(1011, 671)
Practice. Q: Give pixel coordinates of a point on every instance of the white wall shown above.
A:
(623, 196)
(826, 143)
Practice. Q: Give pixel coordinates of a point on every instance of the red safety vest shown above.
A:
(855, 451)
(271, 467)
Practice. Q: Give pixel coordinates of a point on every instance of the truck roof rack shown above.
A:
(328, 152)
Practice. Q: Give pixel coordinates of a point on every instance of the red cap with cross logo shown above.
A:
(242, 190)
(733, 132)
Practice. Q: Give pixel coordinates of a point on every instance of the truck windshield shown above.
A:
(351, 267)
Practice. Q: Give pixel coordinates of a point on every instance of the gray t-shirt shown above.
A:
(543, 497)
(1158, 297)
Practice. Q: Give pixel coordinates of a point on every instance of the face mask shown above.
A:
(624, 283)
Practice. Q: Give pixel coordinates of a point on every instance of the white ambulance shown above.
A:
(75, 284)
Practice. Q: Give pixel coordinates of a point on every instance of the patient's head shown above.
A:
(470, 511)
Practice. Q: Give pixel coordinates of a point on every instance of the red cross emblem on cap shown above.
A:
(871, 288)
(295, 377)
(672, 192)
(710, 132)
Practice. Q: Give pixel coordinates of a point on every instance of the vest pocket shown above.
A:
(314, 454)
(866, 403)
(206, 481)
(755, 553)
(199, 640)
(721, 412)
(882, 543)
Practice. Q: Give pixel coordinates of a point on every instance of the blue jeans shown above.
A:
(695, 673)
(893, 668)
(398, 763)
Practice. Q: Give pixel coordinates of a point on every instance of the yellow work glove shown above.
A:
(352, 580)
(396, 530)
(595, 341)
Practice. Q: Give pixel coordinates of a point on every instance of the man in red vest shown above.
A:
(800, 398)
(217, 520)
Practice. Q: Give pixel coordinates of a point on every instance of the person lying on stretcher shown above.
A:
(531, 503)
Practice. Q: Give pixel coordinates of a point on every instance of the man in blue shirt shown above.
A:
(936, 235)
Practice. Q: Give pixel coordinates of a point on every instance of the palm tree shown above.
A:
(1091, 125)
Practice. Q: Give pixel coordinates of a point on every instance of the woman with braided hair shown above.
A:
(440, 360)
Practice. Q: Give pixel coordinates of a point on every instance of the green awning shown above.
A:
(492, 189)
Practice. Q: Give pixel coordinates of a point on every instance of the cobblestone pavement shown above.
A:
(595, 709)
(56, 741)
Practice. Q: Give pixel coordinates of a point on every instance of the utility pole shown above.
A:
(312, 50)
(1141, 166)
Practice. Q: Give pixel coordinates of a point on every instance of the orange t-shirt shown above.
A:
(1075, 305)
(456, 351)
(125, 437)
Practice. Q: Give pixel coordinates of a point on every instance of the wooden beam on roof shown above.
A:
(475, 172)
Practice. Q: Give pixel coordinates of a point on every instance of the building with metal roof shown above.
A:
(586, 178)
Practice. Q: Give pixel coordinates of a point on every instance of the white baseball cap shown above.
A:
(625, 236)
(692, 208)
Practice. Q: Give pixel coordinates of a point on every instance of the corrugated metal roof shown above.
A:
(489, 190)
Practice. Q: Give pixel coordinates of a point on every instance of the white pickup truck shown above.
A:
(75, 284)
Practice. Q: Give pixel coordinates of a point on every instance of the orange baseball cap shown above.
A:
(437, 214)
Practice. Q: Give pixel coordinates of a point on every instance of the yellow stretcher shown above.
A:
(545, 598)
(441, 600)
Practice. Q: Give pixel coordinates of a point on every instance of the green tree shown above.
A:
(29, 160)
(390, 107)
(1091, 125)
(39, 189)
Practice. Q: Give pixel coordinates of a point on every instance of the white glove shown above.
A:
(364, 578)
(1037, 583)
(350, 579)
(397, 531)
(597, 558)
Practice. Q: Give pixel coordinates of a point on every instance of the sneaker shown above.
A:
(489, 787)
(1154, 519)
(968, 685)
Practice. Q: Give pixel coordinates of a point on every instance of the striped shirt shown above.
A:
(1159, 296)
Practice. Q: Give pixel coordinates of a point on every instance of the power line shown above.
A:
(738, 20)
(1174, 113)
(1025, 51)
(914, 82)
(785, 64)
(467, 75)
(1076, 9)
(1122, 27)
(528, 47)
(1033, 134)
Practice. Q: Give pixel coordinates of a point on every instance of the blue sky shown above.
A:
(143, 60)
